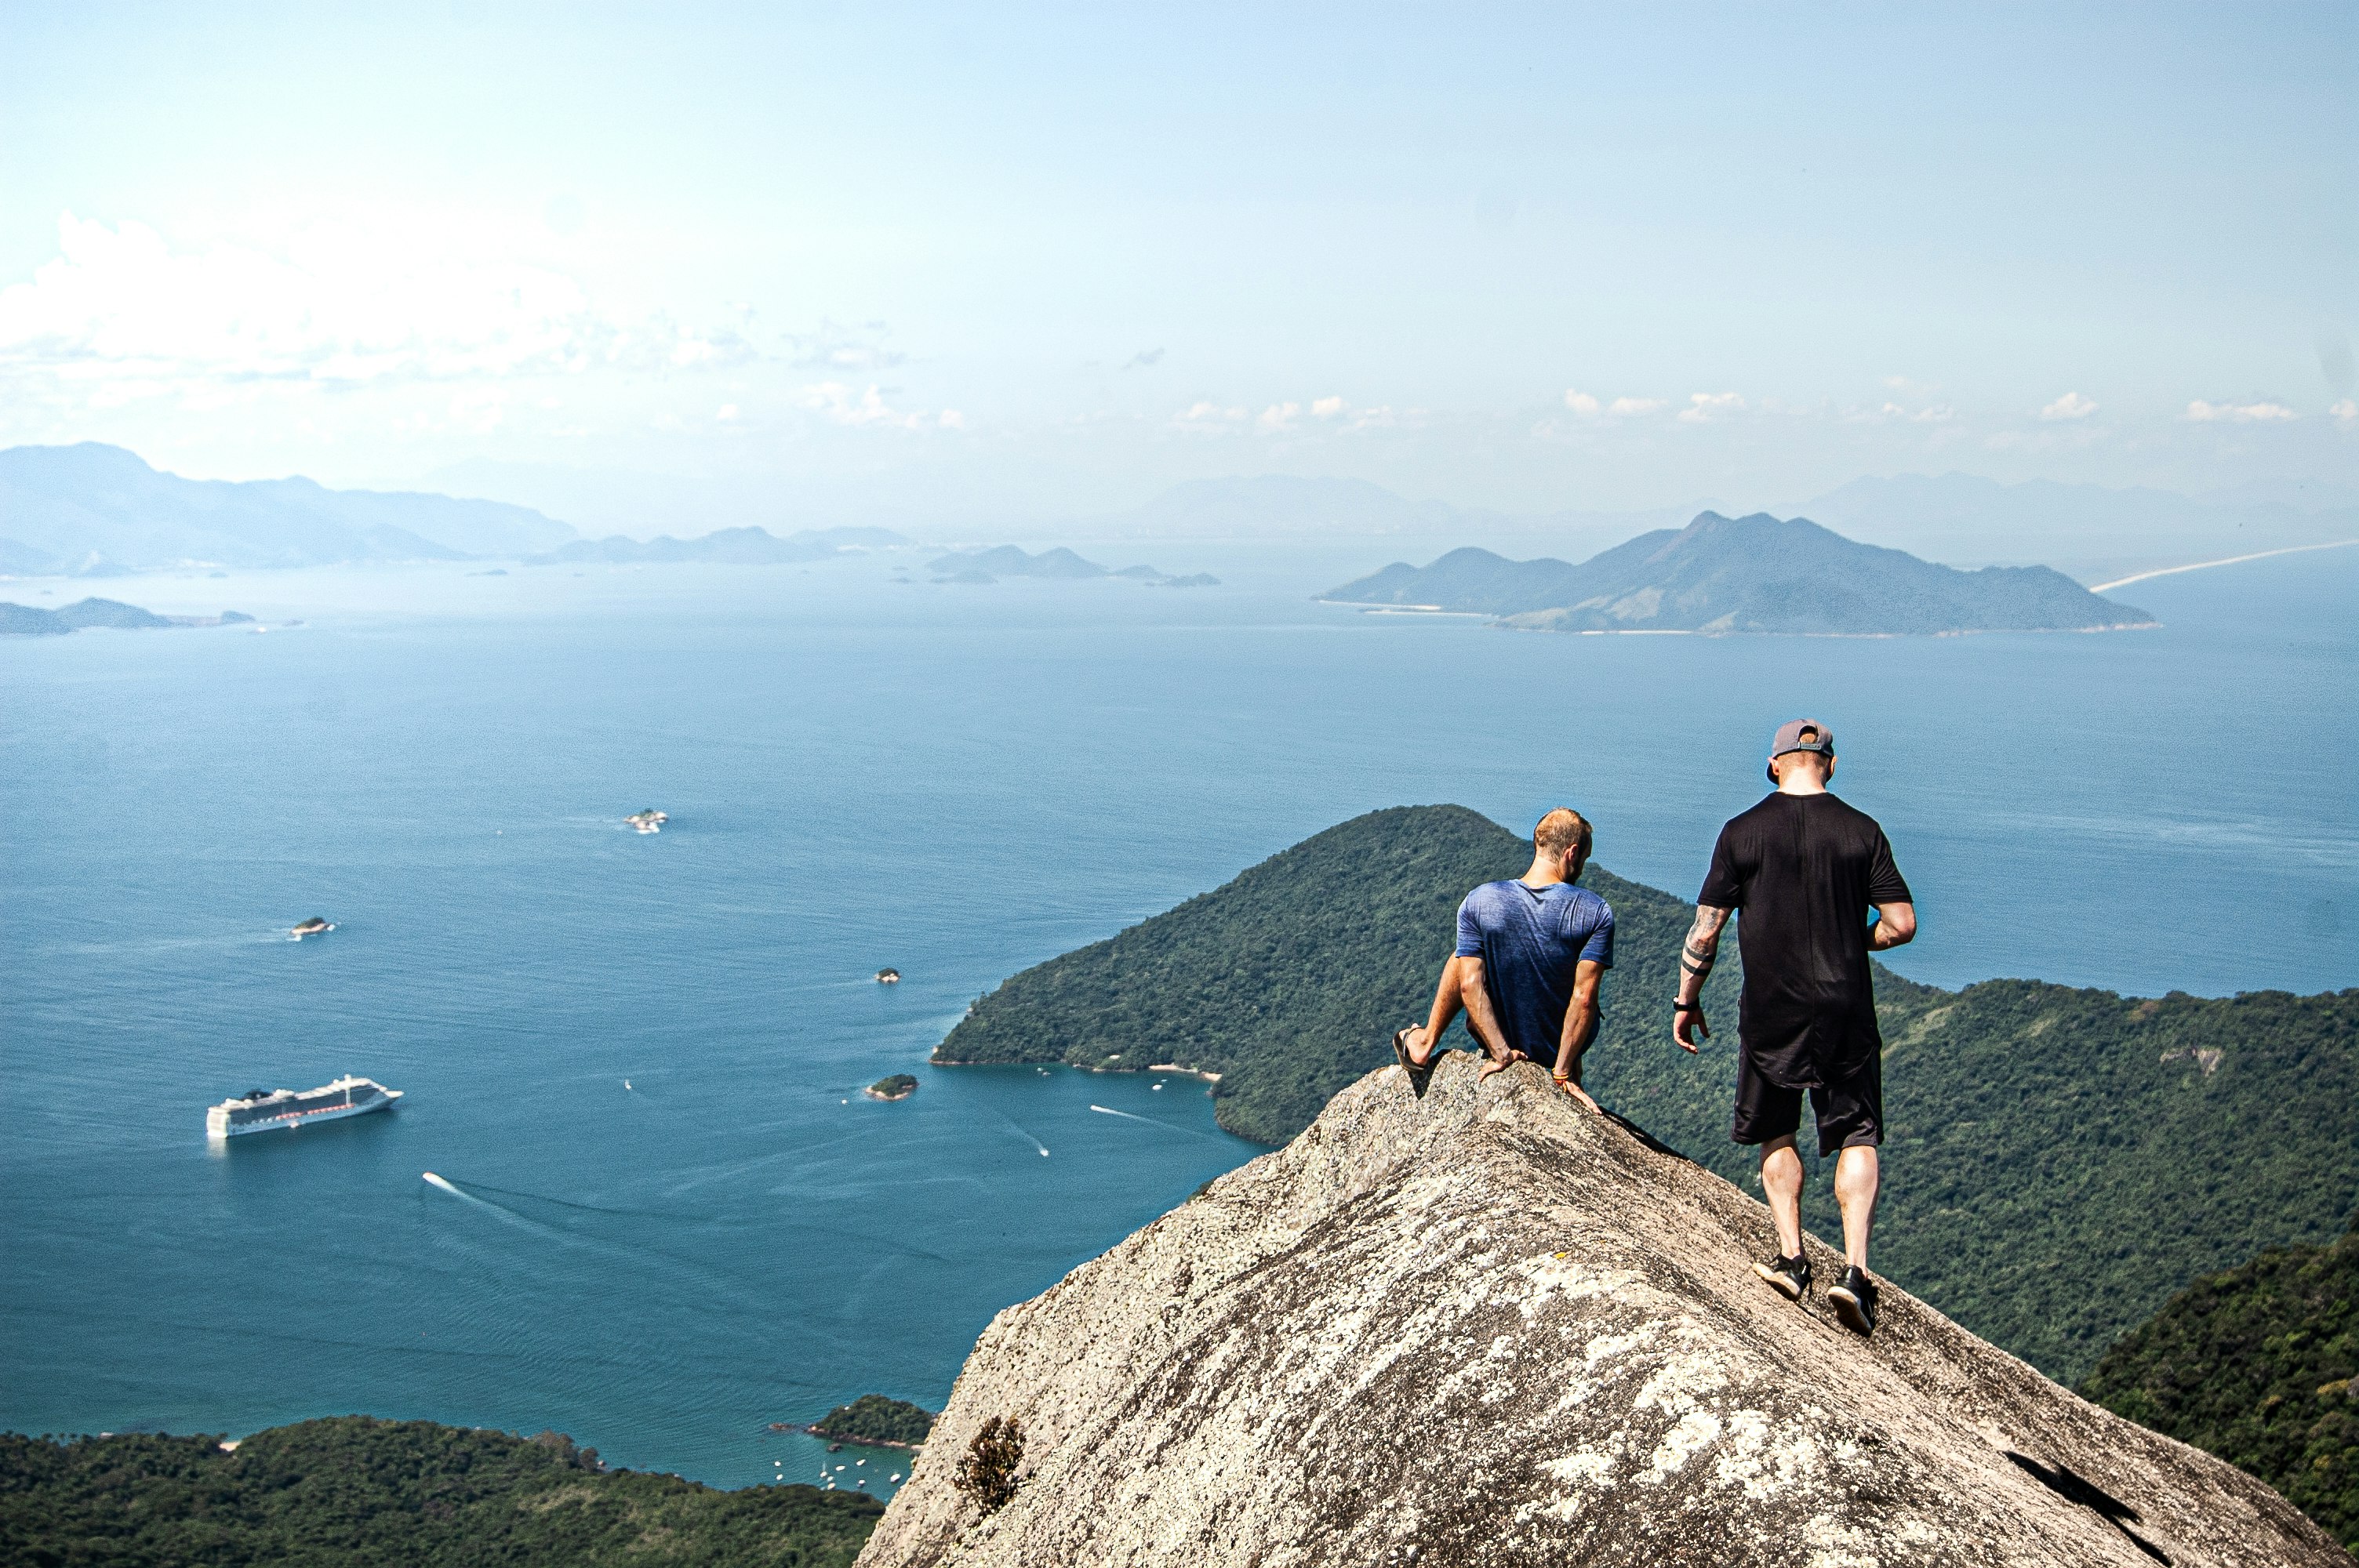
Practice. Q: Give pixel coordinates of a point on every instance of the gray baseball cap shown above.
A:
(1801, 735)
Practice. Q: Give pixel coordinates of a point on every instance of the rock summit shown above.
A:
(1486, 1327)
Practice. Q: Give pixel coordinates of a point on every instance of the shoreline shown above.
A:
(819, 1431)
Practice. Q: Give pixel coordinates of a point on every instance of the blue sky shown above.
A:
(1050, 259)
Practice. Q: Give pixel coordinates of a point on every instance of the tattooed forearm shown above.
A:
(1701, 951)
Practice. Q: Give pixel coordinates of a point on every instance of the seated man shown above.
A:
(1530, 954)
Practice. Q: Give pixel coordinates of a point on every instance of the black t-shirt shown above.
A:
(1803, 870)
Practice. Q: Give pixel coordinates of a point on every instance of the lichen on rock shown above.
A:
(1486, 1327)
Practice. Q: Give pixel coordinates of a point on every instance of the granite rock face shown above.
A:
(1486, 1327)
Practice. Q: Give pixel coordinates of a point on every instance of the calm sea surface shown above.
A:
(637, 1060)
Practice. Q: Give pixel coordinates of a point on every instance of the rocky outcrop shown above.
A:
(1484, 1327)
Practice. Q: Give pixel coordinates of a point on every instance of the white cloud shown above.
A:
(2071, 406)
(726, 413)
(1201, 416)
(1285, 418)
(836, 348)
(834, 401)
(2345, 412)
(1590, 408)
(1704, 405)
(120, 315)
(2260, 412)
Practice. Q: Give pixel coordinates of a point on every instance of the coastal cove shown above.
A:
(639, 1059)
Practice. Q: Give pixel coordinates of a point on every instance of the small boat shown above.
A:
(311, 927)
(888, 976)
(648, 821)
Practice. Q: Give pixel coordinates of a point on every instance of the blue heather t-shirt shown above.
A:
(1529, 940)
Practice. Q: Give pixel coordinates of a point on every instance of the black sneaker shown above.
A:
(1854, 1301)
(1790, 1277)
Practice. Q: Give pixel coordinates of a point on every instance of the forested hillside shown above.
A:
(2255, 1365)
(2060, 1161)
(380, 1493)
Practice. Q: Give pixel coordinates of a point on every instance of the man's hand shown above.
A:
(1499, 1064)
(1577, 1092)
(1697, 955)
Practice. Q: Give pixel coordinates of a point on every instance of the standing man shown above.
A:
(1807, 870)
(1530, 954)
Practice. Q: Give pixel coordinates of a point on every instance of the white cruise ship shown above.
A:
(264, 1109)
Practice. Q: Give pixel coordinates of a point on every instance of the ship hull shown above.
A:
(218, 1124)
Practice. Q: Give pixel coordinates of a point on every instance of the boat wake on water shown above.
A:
(1020, 1130)
(637, 1255)
(1151, 1121)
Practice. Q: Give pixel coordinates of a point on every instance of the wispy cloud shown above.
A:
(2345, 412)
(119, 315)
(1705, 407)
(1145, 359)
(1206, 417)
(1590, 406)
(1328, 415)
(835, 402)
(2260, 412)
(2071, 406)
(838, 348)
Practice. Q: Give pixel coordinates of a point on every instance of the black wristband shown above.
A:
(1680, 1007)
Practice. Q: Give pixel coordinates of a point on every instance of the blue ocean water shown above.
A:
(637, 1059)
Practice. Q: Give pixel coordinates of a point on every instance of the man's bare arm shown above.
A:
(1580, 1028)
(1697, 955)
(1481, 1020)
(1895, 925)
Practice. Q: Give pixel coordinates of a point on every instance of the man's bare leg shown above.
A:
(1781, 1184)
(1857, 1169)
(1448, 998)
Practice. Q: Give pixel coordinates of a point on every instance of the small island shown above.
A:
(900, 1086)
(874, 1421)
(888, 976)
(648, 821)
(312, 927)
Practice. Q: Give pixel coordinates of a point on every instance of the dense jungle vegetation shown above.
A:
(354, 1492)
(2036, 1133)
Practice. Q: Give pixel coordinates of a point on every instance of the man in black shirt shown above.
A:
(1807, 870)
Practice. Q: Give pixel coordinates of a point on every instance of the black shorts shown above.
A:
(1850, 1112)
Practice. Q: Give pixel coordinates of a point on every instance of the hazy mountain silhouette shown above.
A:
(1745, 574)
(93, 510)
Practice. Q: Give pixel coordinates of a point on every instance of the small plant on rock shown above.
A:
(987, 1474)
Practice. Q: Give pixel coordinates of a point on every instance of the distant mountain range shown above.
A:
(1756, 573)
(2091, 532)
(24, 619)
(96, 511)
(1007, 560)
(732, 546)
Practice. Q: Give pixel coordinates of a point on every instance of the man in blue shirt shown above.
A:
(1530, 955)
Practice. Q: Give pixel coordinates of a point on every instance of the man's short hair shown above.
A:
(1559, 830)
